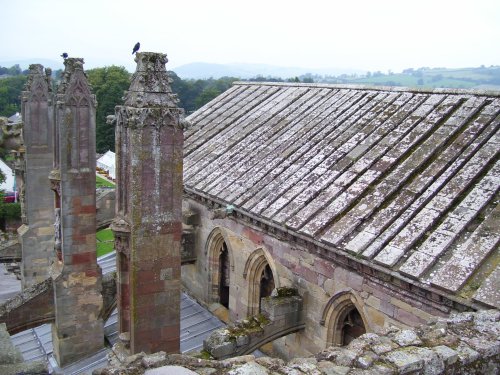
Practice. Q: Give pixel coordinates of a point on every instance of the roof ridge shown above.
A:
(476, 92)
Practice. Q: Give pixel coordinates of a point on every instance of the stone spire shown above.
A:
(78, 330)
(148, 222)
(37, 232)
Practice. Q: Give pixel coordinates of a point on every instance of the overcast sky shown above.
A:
(355, 34)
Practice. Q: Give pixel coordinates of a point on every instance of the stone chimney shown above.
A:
(148, 222)
(78, 330)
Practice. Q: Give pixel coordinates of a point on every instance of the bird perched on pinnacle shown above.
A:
(64, 55)
(136, 47)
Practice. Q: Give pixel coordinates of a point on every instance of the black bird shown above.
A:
(136, 47)
(64, 55)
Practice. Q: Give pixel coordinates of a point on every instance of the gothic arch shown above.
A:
(214, 247)
(339, 308)
(254, 268)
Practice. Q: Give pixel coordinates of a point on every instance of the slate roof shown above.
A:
(408, 180)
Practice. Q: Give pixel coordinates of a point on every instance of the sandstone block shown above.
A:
(447, 355)
(406, 337)
(251, 368)
(405, 361)
(328, 368)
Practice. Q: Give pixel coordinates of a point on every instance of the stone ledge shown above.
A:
(466, 343)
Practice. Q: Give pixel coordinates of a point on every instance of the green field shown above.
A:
(101, 182)
(427, 78)
(105, 241)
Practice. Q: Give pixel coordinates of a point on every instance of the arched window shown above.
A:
(224, 276)
(261, 278)
(266, 283)
(220, 264)
(343, 319)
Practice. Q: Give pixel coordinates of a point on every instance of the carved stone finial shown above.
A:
(150, 86)
(71, 65)
(36, 73)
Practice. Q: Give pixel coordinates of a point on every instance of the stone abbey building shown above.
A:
(378, 206)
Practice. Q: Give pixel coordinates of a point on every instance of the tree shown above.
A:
(10, 94)
(193, 94)
(108, 85)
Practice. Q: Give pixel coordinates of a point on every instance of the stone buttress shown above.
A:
(78, 330)
(37, 232)
(148, 222)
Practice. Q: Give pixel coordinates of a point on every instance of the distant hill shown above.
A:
(485, 78)
(202, 70)
(24, 64)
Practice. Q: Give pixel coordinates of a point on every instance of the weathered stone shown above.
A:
(229, 362)
(242, 340)
(366, 360)
(37, 199)
(328, 368)
(152, 360)
(26, 368)
(383, 345)
(306, 365)
(406, 337)
(206, 371)
(9, 354)
(447, 355)
(148, 222)
(382, 369)
(169, 370)
(73, 181)
(346, 357)
(271, 363)
(252, 368)
(466, 355)
(405, 361)
(433, 364)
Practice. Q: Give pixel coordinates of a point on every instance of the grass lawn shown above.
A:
(101, 182)
(105, 235)
(105, 241)
(104, 247)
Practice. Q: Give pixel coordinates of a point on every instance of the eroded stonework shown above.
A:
(37, 233)
(148, 222)
(465, 343)
(78, 328)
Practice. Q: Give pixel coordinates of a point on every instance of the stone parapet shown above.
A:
(32, 307)
(465, 343)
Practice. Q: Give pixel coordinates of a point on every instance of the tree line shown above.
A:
(109, 84)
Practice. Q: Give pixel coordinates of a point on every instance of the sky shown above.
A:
(348, 34)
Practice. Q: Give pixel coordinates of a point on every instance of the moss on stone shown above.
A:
(284, 292)
(203, 354)
(247, 326)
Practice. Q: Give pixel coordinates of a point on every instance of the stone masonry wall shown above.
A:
(318, 281)
(466, 343)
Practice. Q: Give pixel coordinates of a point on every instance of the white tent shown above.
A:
(8, 184)
(107, 163)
